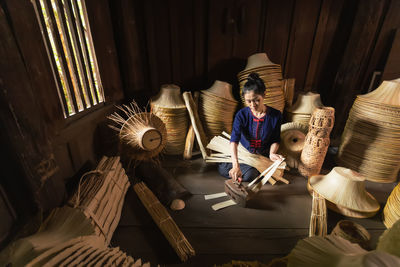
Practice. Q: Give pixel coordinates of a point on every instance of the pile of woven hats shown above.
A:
(303, 108)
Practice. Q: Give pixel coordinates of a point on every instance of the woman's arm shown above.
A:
(272, 152)
(235, 172)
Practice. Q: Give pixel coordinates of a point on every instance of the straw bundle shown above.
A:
(391, 212)
(317, 141)
(143, 134)
(353, 232)
(346, 189)
(216, 109)
(101, 196)
(335, 251)
(270, 73)
(164, 221)
(293, 135)
(302, 110)
(371, 139)
(222, 145)
(168, 105)
(318, 221)
(202, 139)
(389, 241)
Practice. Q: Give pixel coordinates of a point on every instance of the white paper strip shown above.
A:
(217, 195)
(224, 204)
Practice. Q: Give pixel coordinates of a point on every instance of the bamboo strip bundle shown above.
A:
(318, 221)
(202, 139)
(142, 134)
(370, 141)
(261, 163)
(270, 73)
(303, 108)
(168, 105)
(391, 212)
(335, 251)
(317, 141)
(353, 232)
(164, 221)
(189, 144)
(101, 195)
(61, 225)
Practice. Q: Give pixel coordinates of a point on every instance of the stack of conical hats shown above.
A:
(217, 107)
(345, 191)
(302, 110)
(169, 106)
(271, 74)
(391, 212)
(371, 139)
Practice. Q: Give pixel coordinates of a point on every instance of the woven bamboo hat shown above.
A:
(293, 135)
(169, 106)
(345, 188)
(371, 138)
(304, 106)
(271, 74)
(391, 212)
(216, 108)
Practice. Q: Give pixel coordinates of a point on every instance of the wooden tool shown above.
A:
(237, 192)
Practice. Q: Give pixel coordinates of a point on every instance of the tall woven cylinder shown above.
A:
(317, 141)
(169, 106)
(216, 108)
(271, 74)
(370, 141)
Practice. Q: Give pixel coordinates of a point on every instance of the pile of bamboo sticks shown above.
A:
(221, 144)
(164, 221)
(318, 221)
(101, 194)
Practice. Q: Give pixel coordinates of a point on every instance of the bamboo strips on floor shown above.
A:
(318, 221)
(101, 195)
(164, 221)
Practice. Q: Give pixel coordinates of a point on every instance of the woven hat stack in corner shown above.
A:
(271, 74)
(345, 190)
(169, 106)
(370, 141)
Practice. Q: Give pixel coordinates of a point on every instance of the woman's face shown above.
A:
(254, 101)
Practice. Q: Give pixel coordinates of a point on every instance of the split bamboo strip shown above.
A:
(318, 221)
(221, 145)
(189, 144)
(288, 91)
(101, 195)
(196, 123)
(164, 221)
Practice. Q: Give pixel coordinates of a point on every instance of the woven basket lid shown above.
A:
(293, 135)
(387, 93)
(258, 60)
(306, 103)
(169, 97)
(221, 89)
(346, 188)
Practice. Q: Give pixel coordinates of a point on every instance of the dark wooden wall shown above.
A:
(329, 46)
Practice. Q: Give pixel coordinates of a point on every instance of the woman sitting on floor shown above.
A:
(257, 127)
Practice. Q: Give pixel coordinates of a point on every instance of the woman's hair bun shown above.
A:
(254, 83)
(253, 76)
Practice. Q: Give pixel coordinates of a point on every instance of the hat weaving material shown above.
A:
(169, 106)
(389, 241)
(142, 134)
(293, 135)
(317, 141)
(216, 108)
(391, 212)
(302, 110)
(370, 142)
(271, 74)
(345, 188)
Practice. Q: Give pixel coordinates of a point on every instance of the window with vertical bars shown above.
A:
(66, 33)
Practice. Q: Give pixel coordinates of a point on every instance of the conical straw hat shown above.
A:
(306, 103)
(387, 93)
(169, 97)
(258, 60)
(222, 90)
(346, 188)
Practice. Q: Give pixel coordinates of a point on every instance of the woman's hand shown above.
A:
(235, 173)
(275, 157)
